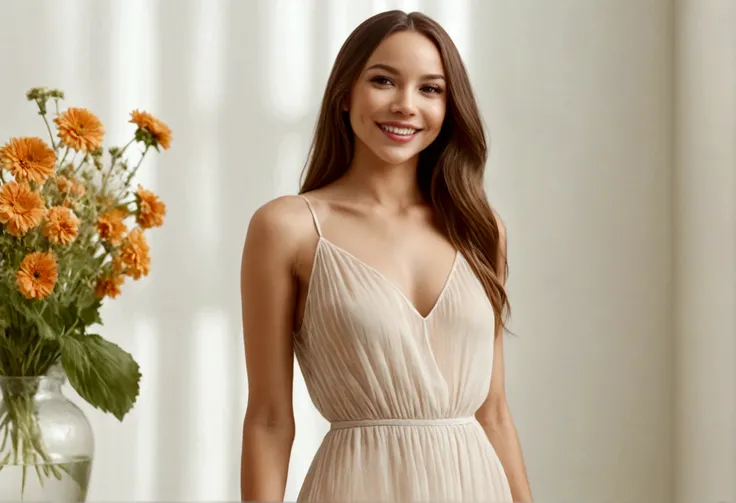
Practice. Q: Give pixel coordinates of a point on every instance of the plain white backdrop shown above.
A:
(612, 129)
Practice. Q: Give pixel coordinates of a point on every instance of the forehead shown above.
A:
(409, 52)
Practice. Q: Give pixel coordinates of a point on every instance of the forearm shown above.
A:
(265, 461)
(505, 441)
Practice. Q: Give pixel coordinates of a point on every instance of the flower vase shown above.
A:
(46, 442)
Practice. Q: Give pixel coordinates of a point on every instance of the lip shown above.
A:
(397, 138)
(399, 124)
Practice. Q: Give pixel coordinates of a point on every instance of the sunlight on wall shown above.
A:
(206, 101)
(209, 466)
(408, 5)
(134, 65)
(66, 25)
(146, 412)
(337, 15)
(210, 47)
(290, 58)
(205, 220)
(291, 154)
(455, 17)
(378, 6)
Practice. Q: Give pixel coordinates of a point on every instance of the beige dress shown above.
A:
(399, 389)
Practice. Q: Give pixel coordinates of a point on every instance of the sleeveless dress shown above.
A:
(400, 389)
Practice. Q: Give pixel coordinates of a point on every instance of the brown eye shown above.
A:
(383, 81)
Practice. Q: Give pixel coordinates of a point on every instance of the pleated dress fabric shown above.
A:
(400, 389)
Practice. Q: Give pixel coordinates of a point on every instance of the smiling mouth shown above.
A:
(399, 131)
(398, 134)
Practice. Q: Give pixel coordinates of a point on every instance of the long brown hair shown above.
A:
(450, 171)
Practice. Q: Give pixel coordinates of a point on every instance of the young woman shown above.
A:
(385, 277)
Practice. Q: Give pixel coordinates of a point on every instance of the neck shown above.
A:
(393, 186)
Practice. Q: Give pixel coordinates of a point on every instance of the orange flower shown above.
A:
(157, 128)
(70, 186)
(62, 226)
(151, 210)
(135, 255)
(37, 275)
(28, 159)
(72, 205)
(105, 200)
(109, 286)
(21, 209)
(63, 184)
(117, 265)
(111, 227)
(78, 189)
(80, 129)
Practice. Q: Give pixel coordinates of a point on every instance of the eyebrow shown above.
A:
(391, 69)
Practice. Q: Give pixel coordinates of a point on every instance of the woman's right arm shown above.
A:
(268, 293)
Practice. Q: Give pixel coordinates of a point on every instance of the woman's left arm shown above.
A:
(494, 415)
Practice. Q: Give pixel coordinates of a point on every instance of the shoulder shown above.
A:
(280, 225)
(283, 215)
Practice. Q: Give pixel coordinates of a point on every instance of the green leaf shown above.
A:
(44, 329)
(90, 315)
(42, 319)
(101, 372)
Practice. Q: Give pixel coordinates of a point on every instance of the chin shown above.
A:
(396, 158)
(396, 154)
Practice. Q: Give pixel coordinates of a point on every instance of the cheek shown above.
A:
(361, 110)
(434, 118)
(360, 118)
(436, 114)
(366, 101)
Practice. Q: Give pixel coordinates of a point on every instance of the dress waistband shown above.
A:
(362, 423)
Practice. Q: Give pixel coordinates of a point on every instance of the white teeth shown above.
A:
(399, 130)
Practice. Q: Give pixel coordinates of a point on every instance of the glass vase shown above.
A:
(46, 442)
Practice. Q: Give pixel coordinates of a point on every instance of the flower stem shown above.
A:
(20, 424)
(117, 156)
(135, 169)
(66, 152)
(48, 127)
(132, 173)
(122, 151)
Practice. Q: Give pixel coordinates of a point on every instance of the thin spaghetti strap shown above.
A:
(314, 215)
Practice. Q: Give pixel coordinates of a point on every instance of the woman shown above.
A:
(385, 277)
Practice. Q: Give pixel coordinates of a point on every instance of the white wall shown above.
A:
(578, 96)
(578, 99)
(705, 189)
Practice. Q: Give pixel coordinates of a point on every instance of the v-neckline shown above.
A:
(392, 284)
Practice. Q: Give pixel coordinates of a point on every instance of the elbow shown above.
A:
(270, 423)
(495, 417)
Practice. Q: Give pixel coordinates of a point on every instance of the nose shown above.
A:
(403, 103)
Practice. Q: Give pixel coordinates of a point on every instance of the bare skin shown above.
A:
(375, 212)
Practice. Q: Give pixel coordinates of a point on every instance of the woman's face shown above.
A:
(398, 103)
